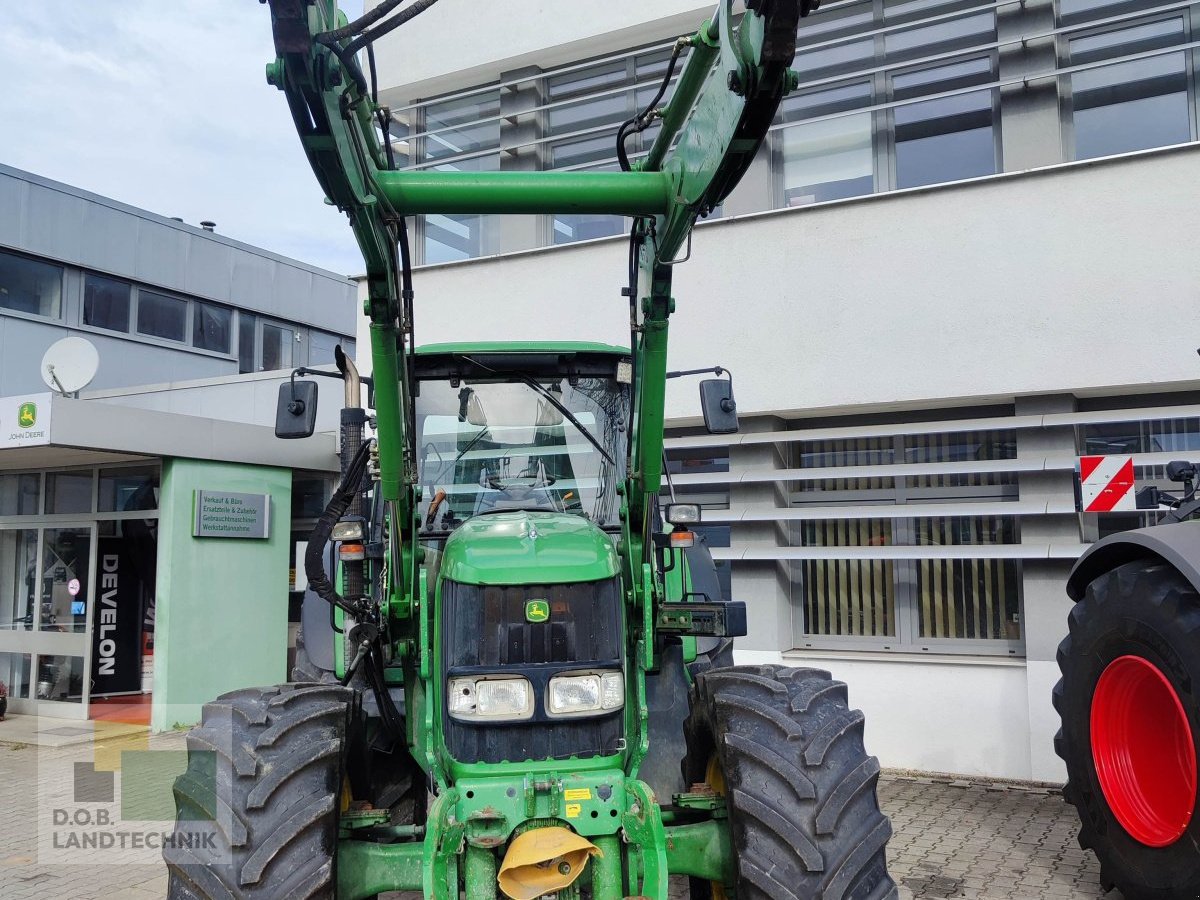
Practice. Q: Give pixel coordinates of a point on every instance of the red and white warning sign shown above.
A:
(1106, 483)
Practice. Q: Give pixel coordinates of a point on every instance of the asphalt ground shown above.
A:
(953, 838)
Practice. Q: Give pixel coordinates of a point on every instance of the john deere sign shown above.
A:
(226, 515)
(25, 420)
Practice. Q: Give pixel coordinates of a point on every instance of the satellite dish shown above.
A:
(70, 365)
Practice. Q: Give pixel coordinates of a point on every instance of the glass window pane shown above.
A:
(19, 494)
(69, 492)
(161, 316)
(1132, 105)
(18, 578)
(14, 674)
(847, 597)
(65, 587)
(212, 327)
(106, 302)
(945, 157)
(60, 678)
(970, 599)
(828, 160)
(30, 286)
(277, 343)
(245, 343)
(457, 128)
(128, 488)
(947, 138)
(321, 345)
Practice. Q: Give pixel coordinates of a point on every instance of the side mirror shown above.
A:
(718, 406)
(1181, 470)
(296, 409)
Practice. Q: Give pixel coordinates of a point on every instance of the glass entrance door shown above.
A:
(47, 590)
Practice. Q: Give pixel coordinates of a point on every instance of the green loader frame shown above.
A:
(777, 792)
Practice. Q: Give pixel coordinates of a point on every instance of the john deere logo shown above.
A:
(537, 611)
(27, 415)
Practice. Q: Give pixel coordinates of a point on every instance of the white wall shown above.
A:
(448, 48)
(1048, 281)
(966, 717)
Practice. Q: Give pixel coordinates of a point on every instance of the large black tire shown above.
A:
(799, 787)
(1144, 617)
(264, 779)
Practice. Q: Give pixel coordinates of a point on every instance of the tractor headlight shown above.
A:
(349, 529)
(574, 695)
(489, 699)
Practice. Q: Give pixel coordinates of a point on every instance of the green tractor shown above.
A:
(515, 672)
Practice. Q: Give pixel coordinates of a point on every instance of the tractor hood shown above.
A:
(525, 547)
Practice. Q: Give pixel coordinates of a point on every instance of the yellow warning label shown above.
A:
(577, 794)
(573, 810)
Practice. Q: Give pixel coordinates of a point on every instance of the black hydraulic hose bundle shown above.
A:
(642, 120)
(314, 567)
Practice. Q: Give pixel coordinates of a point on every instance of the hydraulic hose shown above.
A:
(314, 567)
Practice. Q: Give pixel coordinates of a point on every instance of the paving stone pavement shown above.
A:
(953, 839)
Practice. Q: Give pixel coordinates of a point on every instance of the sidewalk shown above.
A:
(953, 838)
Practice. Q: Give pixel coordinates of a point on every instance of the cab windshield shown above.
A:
(506, 444)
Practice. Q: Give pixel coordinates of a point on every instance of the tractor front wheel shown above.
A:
(787, 753)
(1128, 701)
(257, 808)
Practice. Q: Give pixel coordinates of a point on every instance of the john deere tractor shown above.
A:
(515, 673)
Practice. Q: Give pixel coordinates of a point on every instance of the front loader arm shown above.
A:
(726, 97)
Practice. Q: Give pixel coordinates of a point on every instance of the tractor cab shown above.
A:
(535, 429)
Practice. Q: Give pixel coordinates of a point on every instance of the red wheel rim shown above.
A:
(1144, 752)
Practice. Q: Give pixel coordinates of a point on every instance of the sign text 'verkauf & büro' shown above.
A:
(227, 515)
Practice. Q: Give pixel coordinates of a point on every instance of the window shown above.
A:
(587, 106)
(69, 492)
(212, 327)
(277, 344)
(19, 494)
(128, 488)
(246, 343)
(106, 302)
(321, 345)
(1131, 105)
(161, 316)
(30, 286)
(947, 138)
(828, 159)
(460, 135)
(867, 593)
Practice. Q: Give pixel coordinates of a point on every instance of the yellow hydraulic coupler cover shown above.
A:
(543, 861)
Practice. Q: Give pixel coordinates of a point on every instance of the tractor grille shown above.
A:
(484, 630)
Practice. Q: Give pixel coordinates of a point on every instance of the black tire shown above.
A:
(257, 807)
(800, 788)
(1148, 611)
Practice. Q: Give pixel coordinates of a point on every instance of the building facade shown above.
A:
(160, 299)
(961, 260)
(110, 596)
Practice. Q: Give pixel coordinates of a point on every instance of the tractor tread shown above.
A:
(265, 771)
(804, 818)
(1142, 608)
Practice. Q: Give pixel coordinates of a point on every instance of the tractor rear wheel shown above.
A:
(1130, 719)
(257, 808)
(787, 752)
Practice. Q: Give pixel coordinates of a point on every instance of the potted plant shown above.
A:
(3, 700)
